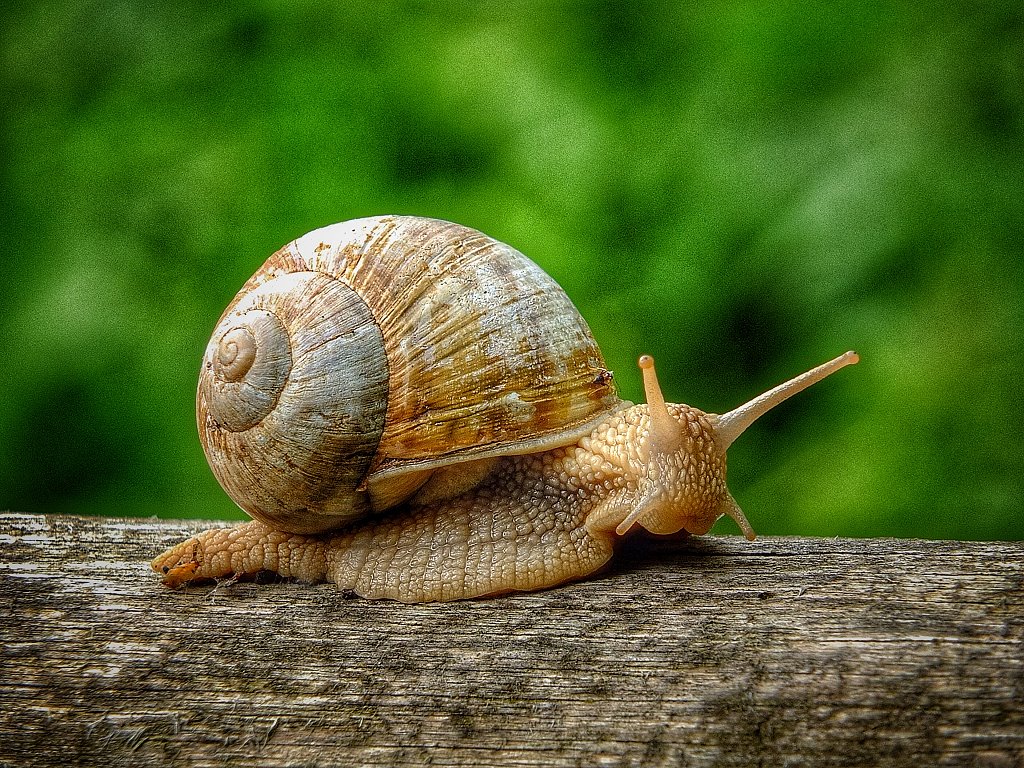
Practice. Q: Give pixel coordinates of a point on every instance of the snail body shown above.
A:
(416, 411)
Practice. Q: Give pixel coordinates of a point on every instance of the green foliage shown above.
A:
(742, 190)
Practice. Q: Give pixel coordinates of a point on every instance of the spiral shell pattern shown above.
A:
(244, 394)
(289, 401)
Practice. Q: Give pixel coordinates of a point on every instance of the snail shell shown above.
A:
(365, 356)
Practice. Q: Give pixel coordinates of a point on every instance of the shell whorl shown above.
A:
(291, 401)
(248, 365)
(236, 353)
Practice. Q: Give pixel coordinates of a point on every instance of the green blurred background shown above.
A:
(741, 189)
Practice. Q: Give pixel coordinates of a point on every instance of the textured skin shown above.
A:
(535, 521)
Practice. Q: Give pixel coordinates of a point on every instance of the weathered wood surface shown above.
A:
(710, 652)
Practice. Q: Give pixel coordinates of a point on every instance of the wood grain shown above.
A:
(786, 651)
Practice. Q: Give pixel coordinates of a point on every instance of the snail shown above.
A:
(416, 411)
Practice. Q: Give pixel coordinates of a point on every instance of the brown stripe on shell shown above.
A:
(487, 355)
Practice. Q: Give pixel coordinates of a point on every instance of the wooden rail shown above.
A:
(787, 651)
